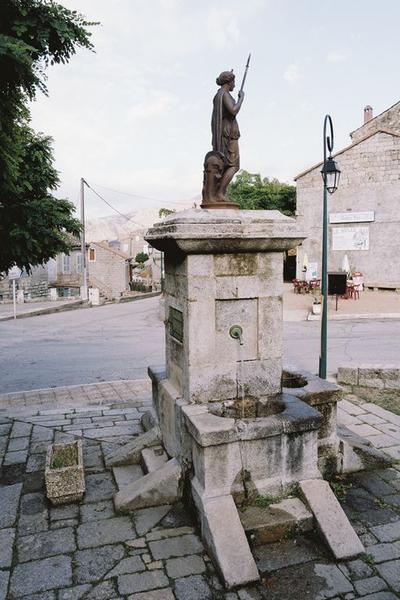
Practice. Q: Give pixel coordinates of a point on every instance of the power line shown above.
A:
(140, 196)
(110, 205)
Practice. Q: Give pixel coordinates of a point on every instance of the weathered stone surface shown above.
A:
(33, 515)
(94, 564)
(99, 486)
(4, 577)
(19, 443)
(20, 429)
(9, 500)
(147, 518)
(270, 524)
(184, 566)
(192, 587)
(6, 547)
(382, 552)
(127, 474)
(160, 487)
(272, 557)
(133, 564)
(331, 519)
(336, 582)
(15, 458)
(163, 594)
(141, 582)
(177, 546)
(97, 511)
(369, 585)
(347, 375)
(153, 458)
(103, 591)
(388, 532)
(74, 593)
(390, 571)
(108, 531)
(58, 513)
(130, 453)
(47, 543)
(162, 534)
(41, 575)
(228, 545)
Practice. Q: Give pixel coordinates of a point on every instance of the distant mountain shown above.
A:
(116, 227)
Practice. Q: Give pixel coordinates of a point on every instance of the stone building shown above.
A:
(364, 220)
(109, 269)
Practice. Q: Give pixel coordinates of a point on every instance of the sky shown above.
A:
(134, 116)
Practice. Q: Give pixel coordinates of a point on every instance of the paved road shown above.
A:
(120, 341)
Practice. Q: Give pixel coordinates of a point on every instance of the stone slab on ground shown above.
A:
(153, 458)
(159, 487)
(147, 518)
(272, 523)
(9, 501)
(127, 474)
(331, 519)
(227, 544)
(41, 575)
(130, 453)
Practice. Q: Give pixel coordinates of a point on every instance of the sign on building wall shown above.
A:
(352, 217)
(350, 238)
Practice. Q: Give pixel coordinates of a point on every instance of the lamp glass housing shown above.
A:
(331, 175)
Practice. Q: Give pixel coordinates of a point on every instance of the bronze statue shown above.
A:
(223, 162)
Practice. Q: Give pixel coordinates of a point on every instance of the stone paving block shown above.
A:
(103, 591)
(99, 486)
(6, 547)
(383, 552)
(92, 457)
(15, 458)
(74, 593)
(374, 484)
(275, 556)
(9, 501)
(18, 443)
(389, 429)
(331, 519)
(358, 569)
(393, 452)
(147, 518)
(133, 564)
(369, 585)
(180, 546)
(163, 594)
(189, 588)
(127, 474)
(389, 532)
(362, 430)
(41, 434)
(36, 462)
(20, 429)
(381, 412)
(162, 534)
(390, 571)
(41, 575)
(381, 596)
(94, 564)
(4, 577)
(142, 582)
(63, 523)
(97, 511)
(184, 566)
(383, 440)
(69, 511)
(108, 531)
(33, 515)
(372, 419)
(116, 430)
(45, 544)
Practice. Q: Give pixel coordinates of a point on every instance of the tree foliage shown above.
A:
(33, 223)
(141, 257)
(164, 212)
(252, 191)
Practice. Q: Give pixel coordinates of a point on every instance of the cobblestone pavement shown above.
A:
(87, 551)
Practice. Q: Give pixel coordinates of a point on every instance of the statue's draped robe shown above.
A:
(225, 129)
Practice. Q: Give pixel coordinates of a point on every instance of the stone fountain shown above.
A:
(229, 429)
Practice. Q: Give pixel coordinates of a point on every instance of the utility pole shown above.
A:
(84, 290)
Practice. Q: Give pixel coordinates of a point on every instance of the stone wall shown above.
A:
(370, 181)
(390, 119)
(110, 269)
(368, 381)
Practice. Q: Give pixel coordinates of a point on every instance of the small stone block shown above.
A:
(331, 519)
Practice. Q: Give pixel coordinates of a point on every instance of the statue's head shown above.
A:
(227, 77)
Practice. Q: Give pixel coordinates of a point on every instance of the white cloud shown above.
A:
(222, 27)
(336, 58)
(160, 103)
(293, 74)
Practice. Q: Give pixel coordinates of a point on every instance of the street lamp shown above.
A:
(330, 176)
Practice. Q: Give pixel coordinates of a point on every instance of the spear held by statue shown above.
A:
(245, 74)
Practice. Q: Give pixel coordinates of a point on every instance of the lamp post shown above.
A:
(330, 175)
